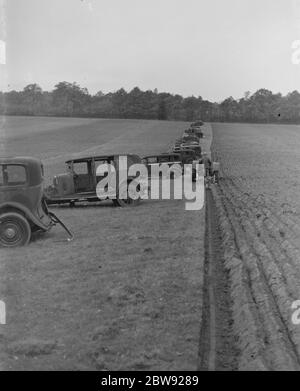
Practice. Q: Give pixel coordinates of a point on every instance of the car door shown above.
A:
(83, 178)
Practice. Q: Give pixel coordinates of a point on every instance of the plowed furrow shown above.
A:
(278, 341)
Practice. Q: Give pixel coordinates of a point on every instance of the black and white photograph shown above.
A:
(149, 188)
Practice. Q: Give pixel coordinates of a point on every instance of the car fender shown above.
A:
(16, 207)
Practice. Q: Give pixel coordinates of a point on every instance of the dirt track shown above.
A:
(217, 349)
(260, 252)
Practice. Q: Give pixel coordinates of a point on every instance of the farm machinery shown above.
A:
(211, 170)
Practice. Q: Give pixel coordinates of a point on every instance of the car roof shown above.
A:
(33, 167)
(25, 160)
(161, 155)
(104, 157)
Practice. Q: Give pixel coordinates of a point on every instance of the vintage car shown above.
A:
(163, 159)
(80, 181)
(197, 123)
(196, 130)
(192, 145)
(188, 152)
(187, 156)
(190, 137)
(23, 209)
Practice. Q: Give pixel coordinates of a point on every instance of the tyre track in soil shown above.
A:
(217, 347)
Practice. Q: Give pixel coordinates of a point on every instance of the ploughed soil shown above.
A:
(258, 207)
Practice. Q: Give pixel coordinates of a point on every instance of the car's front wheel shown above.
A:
(14, 230)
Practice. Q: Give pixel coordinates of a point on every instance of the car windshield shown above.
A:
(80, 168)
(152, 160)
(164, 159)
(12, 174)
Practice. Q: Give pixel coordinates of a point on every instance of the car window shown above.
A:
(14, 174)
(152, 160)
(80, 168)
(164, 159)
(101, 162)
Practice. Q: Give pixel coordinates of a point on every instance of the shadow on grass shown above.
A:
(107, 204)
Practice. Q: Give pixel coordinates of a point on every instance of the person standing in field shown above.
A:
(207, 164)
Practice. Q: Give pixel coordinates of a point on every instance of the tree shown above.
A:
(230, 109)
(289, 108)
(162, 110)
(70, 98)
(192, 108)
(119, 100)
(32, 97)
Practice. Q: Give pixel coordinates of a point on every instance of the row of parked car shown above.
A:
(24, 201)
(186, 150)
(79, 181)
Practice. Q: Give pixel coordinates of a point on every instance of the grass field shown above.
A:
(126, 293)
(55, 140)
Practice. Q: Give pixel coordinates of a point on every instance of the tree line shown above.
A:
(71, 100)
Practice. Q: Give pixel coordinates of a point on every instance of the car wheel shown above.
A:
(125, 202)
(14, 230)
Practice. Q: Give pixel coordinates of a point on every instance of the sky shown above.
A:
(209, 48)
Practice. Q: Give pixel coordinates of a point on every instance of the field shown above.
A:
(157, 287)
(54, 140)
(127, 292)
(259, 214)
